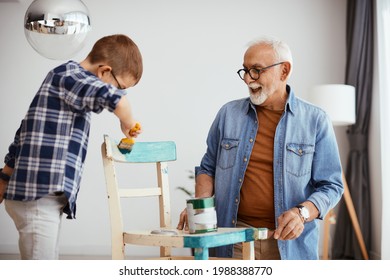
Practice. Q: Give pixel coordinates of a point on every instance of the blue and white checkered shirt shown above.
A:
(50, 146)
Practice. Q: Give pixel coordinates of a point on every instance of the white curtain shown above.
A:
(383, 43)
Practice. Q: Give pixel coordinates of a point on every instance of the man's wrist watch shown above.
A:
(4, 176)
(303, 212)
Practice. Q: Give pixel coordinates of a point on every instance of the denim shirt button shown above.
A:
(233, 221)
(240, 180)
(245, 159)
(251, 140)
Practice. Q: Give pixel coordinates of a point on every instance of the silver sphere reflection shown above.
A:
(57, 29)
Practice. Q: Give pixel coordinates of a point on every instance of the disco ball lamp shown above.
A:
(57, 29)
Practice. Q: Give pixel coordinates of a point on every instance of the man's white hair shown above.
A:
(281, 49)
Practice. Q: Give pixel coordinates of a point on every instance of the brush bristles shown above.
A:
(126, 144)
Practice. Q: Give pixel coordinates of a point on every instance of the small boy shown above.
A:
(43, 168)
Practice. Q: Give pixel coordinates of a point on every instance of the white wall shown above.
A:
(191, 50)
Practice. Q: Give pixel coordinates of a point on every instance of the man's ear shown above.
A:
(286, 68)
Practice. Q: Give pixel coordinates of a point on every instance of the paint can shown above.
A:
(201, 214)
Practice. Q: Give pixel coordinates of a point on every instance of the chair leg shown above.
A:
(248, 250)
(118, 251)
(165, 251)
(201, 254)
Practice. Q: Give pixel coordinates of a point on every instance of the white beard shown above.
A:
(259, 97)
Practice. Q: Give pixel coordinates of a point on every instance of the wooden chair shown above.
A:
(165, 237)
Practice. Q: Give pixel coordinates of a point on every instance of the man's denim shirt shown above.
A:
(306, 166)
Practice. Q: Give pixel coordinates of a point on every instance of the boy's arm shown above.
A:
(9, 160)
(124, 114)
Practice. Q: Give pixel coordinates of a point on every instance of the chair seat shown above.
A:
(221, 237)
(203, 241)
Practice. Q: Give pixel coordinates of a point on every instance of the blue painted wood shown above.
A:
(144, 152)
(152, 152)
(201, 253)
(210, 240)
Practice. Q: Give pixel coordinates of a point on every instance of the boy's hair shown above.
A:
(119, 52)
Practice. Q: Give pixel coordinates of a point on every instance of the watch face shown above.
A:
(304, 212)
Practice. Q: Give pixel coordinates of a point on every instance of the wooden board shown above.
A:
(142, 152)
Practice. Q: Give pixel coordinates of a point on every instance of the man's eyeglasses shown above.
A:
(254, 73)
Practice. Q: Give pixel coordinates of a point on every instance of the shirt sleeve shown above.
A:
(90, 94)
(9, 159)
(326, 178)
(209, 161)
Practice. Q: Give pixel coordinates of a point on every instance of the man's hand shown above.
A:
(204, 187)
(290, 225)
(183, 222)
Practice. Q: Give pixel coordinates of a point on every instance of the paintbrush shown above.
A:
(126, 144)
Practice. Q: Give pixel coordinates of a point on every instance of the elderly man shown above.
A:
(272, 160)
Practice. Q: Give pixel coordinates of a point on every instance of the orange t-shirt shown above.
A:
(257, 192)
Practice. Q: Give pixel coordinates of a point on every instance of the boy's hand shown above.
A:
(3, 187)
(4, 183)
(131, 131)
(135, 130)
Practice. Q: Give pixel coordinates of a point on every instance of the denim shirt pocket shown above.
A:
(299, 159)
(228, 152)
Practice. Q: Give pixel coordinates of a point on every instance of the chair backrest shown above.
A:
(142, 152)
